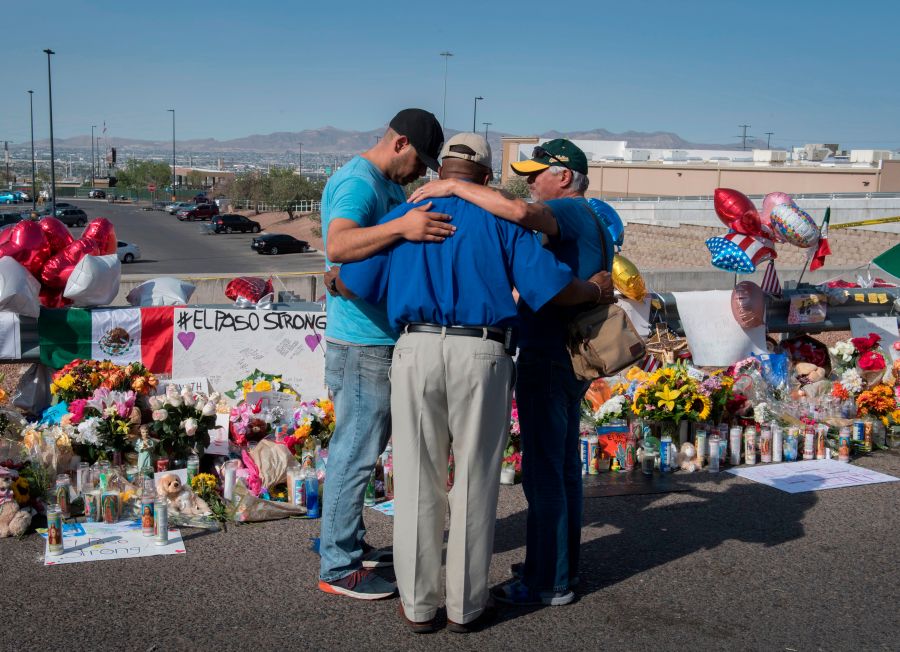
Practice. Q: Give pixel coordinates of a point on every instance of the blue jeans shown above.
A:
(548, 396)
(357, 377)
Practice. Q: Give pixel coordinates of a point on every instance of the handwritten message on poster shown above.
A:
(226, 345)
(100, 541)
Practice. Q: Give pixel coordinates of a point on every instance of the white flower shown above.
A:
(214, 397)
(171, 391)
(174, 402)
(87, 431)
(155, 403)
(852, 381)
(611, 409)
(160, 415)
(208, 410)
(843, 351)
(201, 403)
(189, 400)
(762, 413)
(190, 427)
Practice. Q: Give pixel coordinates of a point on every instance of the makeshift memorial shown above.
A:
(182, 421)
(669, 396)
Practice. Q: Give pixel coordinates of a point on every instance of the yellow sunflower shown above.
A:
(21, 491)
(705, 406)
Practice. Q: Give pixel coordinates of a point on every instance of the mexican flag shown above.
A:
(120, 335)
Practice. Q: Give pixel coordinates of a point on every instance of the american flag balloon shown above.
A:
(736, 252)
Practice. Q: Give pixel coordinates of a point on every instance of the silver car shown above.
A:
(171, 209)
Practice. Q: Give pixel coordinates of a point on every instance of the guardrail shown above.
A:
(821, 195)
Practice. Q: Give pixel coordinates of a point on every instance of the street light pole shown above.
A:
(33, 182)
(173, 154)
(92, 155)
(446, 54)
(486, 125)
(48, 51)
(475, 112)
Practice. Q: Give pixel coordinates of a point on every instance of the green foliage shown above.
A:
(280, 187)
(137, 174)
(411, 187)
(517, 187)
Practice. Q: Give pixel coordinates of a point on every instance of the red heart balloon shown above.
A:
(736, 210)
(57, 233)
(103, 232)
(58, 269)
(28, 245)
(53, 298)
(4, 235)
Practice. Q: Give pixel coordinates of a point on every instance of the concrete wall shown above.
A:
(211, 287)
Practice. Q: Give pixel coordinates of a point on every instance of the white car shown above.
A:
(128, 253)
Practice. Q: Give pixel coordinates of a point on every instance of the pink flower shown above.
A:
(76, 409)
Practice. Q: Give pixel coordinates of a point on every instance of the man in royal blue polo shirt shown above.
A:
(451, 378)
(548, 393)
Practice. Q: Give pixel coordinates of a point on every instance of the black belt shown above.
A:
(493, 333)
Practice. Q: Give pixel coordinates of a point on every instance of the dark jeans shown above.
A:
(548, 396)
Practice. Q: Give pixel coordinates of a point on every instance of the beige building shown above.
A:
(674, 178)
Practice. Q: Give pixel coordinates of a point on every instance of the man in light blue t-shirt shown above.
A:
(360, 341)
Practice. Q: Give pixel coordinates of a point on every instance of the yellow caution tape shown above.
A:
(872, 222)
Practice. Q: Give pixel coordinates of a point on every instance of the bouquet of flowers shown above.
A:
(879, 401)
(80, 378)
(259, 382)
(671, 395)
(182, 421)
(206, 486)
(103, 422)
(313, 418)
(512, 455)
(245, 423)
(613, 409)
(860, 355)
(719, 388)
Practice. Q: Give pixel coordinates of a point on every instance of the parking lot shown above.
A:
(172, 247)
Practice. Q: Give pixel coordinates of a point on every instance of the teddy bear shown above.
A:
(181, 499)
(686, 458)
(13, 521)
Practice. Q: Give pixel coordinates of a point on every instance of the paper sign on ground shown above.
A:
(10, 336)
(638, 312)
(117, 541)
(886, 327)
(715, 338)
(386, 508)
(226, 345)
(811, 475)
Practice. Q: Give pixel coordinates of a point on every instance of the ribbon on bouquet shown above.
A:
(266, 302)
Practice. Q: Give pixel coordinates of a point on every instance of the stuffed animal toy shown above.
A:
(181, 499)
(686, 458)
(13, 521)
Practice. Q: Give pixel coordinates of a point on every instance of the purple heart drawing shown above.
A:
(312, 341)
(187, 339)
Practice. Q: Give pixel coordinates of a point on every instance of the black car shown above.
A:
(8, 219)
(72, 216)
(279, 243)
(48, 208)
(97, 194)
(230, 223)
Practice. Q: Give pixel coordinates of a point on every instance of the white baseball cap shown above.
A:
(469, 147)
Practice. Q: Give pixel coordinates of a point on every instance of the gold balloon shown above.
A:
(627, 279)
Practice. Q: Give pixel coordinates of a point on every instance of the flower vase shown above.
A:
(508, 475)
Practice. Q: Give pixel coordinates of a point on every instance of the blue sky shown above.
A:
(807, 71)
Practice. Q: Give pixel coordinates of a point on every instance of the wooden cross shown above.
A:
(663, 344)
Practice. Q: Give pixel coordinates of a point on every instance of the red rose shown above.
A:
(867, 343)
(871, 361)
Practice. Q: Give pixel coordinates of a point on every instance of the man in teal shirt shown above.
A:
(359, 340)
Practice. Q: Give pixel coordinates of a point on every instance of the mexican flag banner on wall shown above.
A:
(120, 335)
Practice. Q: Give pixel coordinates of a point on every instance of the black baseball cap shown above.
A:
(424, 133)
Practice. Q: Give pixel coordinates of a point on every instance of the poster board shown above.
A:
(715, 338)
(101, 542)
(226, 345)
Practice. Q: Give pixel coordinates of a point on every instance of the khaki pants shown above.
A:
(443, 387)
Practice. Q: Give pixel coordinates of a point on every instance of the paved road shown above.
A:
(172, 247)
(730, 565)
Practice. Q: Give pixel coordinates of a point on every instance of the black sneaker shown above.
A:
(362, 585)
(518, 572)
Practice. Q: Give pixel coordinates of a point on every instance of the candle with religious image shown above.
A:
(110, 504)
(821, 433)
(765, 445)
(777, 443)
(55, 545)
(749, 445)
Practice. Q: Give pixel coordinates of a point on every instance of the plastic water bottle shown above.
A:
(388, 472)
(370, 491)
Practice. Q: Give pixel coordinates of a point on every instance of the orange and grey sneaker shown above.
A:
(362, 585)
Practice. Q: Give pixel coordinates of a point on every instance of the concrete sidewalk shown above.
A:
(730, 565)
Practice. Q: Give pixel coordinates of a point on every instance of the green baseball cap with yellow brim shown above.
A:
(559, 151)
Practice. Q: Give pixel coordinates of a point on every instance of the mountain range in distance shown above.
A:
(341, 141)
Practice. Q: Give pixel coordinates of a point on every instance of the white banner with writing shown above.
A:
(227, 345)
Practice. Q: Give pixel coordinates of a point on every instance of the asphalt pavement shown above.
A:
(728, 565)
(172, 247)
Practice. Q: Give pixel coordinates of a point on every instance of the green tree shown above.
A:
(195, 179)
(138, 174)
